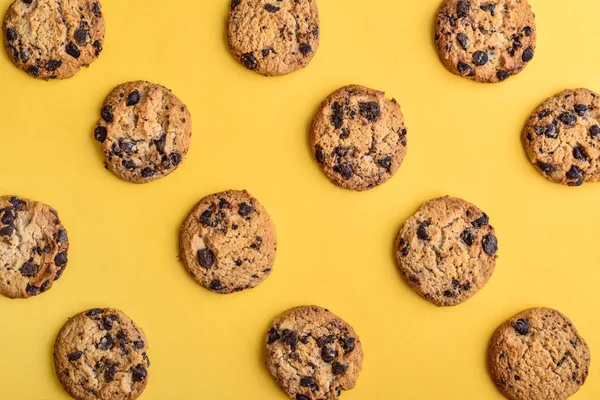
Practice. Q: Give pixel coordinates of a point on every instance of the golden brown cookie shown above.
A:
(228, 242)
(358, 137)
(273, 37)
(447, 251)
(33, 247)
(145, 131)
(485, 40)
(53, 39)
(538, 355)
(100, 354)
(562, 137)
(313, 354)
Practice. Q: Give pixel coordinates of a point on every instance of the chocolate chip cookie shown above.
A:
(538, 355)
(358, 137)
(562, 137)
(228, 242)
(447, 251)
(145, 131)
(100, 354)
(53, 39)
(313, 354)
(485, 40)
(33, 247)
(273, 37)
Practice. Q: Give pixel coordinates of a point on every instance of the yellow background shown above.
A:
(335, 245)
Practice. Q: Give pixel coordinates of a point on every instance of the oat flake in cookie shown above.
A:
(447, 251)
(145, 131)
(313, 354)
(100, 354)
(273, 37)
(33, 247)
(358, 137)
(228, 242)
(562, 137)
(538, 355)
(485, 40)
(53, 39)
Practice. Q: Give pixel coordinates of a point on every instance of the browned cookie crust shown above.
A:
(313, 354)
(538, 355)
(358, 137)
(228, 242)
(447, 251)
(273, 37)
(145, 131)
(562, 137)
(33, 247)
(53, 39)
(100, 354)
(485, 40)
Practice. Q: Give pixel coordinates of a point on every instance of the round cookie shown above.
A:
(483, 40)
(53, 39)
(145, 131)
(358, 137)
(273, 37)
(538, 355)
(562, 137)
(313, 354)
(447, 251)
(33, 247)
(228, 242)
(100, 354)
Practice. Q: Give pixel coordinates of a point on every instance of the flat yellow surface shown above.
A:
(335, 245)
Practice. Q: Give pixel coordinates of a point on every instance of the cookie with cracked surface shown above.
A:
(447, 251)
(538, 355)
(358, 137)
(53, 39)
(228, 242)
(313, 354)
(33, 247)
(145, 131)
(485, 40)
(273, 37)
(562, 137)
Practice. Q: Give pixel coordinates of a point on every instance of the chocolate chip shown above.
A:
(245, 209)
(544, 113)
(11, 35)
(580, 109)
(422, 231)
(551, 131)
(33, 70)
(370, 110)
(249, 61)
(110, 370)
(337, 115)
(290, 338)
(567, 118)
(522, 326)
(462, 9)
(29, 269)
(305, 48)
(595, 131)
(309, 382)
(527, 55)
(328, 354)
(273, 336)
(100, 134)
(574, 173)
(32, 290)
(481, 221)
(386, 162)
(341, 151)
(576, 183)
(546, 167)
(133, 98)
(271, 8)
(96, 10)
(82, 36)
(175, 158)
(480, 58)
(8, 217)
(348, 344)
(93, 312)
(464, 68)
(27, 1)
(138, 344)
(223, 203)
(106, 343)
(302, 397)
(345, 170)
(467, 237)
(234, 4)
(490, 244)
(319, 155)
(338, 368)
(62, 236)
(467, 286)
(17, 203)
(107, 321)
(579, 153)
(7, 230)
(463, 40)
(98, 46)
(128, 165)
(404, 247)
(74, 356)
(528, 31)
(138, 373)
(73, 50)
(206, 258)
(503, 75)
(106, 114)
(216, 285)
(489, 7)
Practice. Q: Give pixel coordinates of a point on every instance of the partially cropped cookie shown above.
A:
(313, 354)
(538, 355)
(100, 354)
(485, 40)
(562, 137)
(447, 251)
(53, 39)
(33, 247)
(228, 242)
(358, 137)
(273, 37)
(145, 131)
